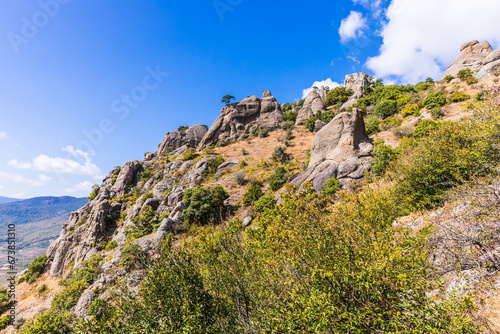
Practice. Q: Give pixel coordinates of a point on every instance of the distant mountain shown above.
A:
(38, 221)
(4, 200)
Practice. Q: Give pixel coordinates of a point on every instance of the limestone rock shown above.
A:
(318, 125)
(176, 139)
(312, 104)
(470, 57)
(358, 83)
(489, 65)
(236, 118)
(341, 149)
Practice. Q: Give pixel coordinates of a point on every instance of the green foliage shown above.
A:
(259, 131)
(214, 164)
(68, 298)
(338, 96)
(411, 109)
(146, 175)
(35, 269)
(471, 80)
(372, 125)
(204, 205)
(4, 321)
(288, 113)
(49, 323)
(226, 99)
(87, 272)
(280, 155)
(459, 97)
(401, 94)
(434, 100)
(182, 128)
(279, 178)
(464, 74)
(421, 86)
(190, 154)
(285, 107)
(448, 78)
(325, 116)
(93, 194)
(132, 257)
(332, 187)
(144, 224)
(253, 193)
(389, 123)
(383, 155)
(385, 108)
(310, 123)
(264, 203)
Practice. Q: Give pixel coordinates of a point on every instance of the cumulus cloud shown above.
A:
(374, 6)
(62, 165)
(351, 27)
(3, 134)
(325, 83)
(80, 187)
(20, 179)
(421, 38)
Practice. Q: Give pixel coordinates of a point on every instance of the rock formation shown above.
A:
(183, 136)
(471, 56)
(237, 118)
(341, 149)
(312, 104)
(489, 65)
(358, 83)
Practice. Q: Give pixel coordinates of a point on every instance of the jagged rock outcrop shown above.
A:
(470, 57)
(191, 136)
(237, 118)
(359, 84)
(341, 150)
(312, 104)
(489, 65)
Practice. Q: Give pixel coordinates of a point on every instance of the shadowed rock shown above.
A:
(184, 136)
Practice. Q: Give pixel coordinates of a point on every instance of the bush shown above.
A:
(464, 74)
(383, 155)
(458, 97)
(332, 187)
(111, 245)
(266, 202)
(253, 193)
(280, 155)
(389, 123)
(95, 191)
(310, 123)
(471, 80)
(146, 175)
(49, 323)
(132, 257)
(278, 179)
(35, 269)
(240, 179)
(372, 125)
(434, 100)
(325, 116)
(190, 154)
(421, 86)
(338, 96)
(411, 110)
(214, 164)
(448, 78)
(385, 108)
(204, 205)
(144, 224)
(290, 116)
(425, 127)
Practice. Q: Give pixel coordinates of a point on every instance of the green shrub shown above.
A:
(111, 245)
(290, 116)
(132, 257)
(87, 271)
(68, 298)
(278, 179)
(434, 100)
(383, 155)
(310, 123)
(93, 194)
(332, 187)
(253, 193)
(389, 123)
(448, 78)
(338, 96)
(52, 322)
(35, 269)
(266, 202)
(458, 97)
(425, 127)
(372, 125)
(471, 80)
(411, 110)
(146, 175)
(464, 74)
(421, 86)
(144, 224)
(385, 108)
(4, 321)
(214, 164)
(280, 155)
(325, 116)
(204, 205)
(190, 154)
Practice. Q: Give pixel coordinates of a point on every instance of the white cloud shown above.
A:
(80, 187)
(351, 27)
(423, 37)
(20, 179)
(44, 178)
(3, 134)
(374, 6)
(21, 165)
(62, 165)
(325, 83)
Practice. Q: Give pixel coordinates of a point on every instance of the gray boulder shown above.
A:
(489, 65)
(358, 83)
(470, 57)
(312, 104)
(318, 125)
(237, 118)
(184, 136)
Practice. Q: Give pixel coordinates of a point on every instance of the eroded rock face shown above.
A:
(341, 149)
(236, 118)
(470, 57)
(312, 104)
(358, 83)
(489, 65)
(191, 136)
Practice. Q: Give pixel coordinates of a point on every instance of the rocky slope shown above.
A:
(478, 57)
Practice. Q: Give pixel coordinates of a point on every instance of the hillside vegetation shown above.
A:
(347, 259)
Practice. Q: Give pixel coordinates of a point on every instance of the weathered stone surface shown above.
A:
(318, 125)
(341, 150)
(227, 166)
(236, 118)
(489, 65)
(126, 177)
(470, 57)
(176, 139)
(312, 104)
(148, 156)
(358, 83)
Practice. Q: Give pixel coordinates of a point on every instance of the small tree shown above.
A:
(385, 108)
(204, 205)
(253, 193)
(278, 179)
(464, 74)
(226, 99)
(338, 96)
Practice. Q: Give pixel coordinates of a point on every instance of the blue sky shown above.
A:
(88, 85)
